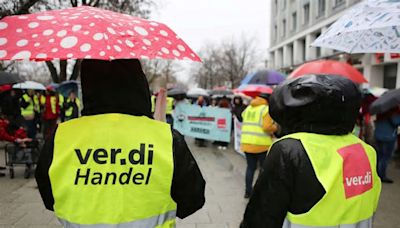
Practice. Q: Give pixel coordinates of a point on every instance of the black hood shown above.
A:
(316, 104)
(117, 86)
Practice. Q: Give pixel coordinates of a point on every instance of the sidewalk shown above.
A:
(21, 206)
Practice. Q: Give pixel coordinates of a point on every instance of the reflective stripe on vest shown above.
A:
(149, 222)
(170, 105)
(68, 112)
(346, 168)
(367, 223)
(252, 131)
(117, 170)
(29, 110)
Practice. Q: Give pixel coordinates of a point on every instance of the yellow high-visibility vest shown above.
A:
(30, 109)
(252, 131)
(113, 169)
(53, 101)
(68, 112)
(346, 168)
(170, 106)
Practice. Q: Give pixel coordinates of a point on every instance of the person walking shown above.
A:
(72, 106)
(319, 174)
(386, 125)
(115, 166)
(51, 104)
(238, 108)
(256, 139)
(29, 109)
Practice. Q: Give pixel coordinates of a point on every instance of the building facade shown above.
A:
(295, 24)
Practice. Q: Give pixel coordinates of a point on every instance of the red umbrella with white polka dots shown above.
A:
(87, 32)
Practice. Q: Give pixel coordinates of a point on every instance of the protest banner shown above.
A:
(237, 135)
(209, 123)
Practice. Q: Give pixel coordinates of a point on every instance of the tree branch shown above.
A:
(53, 71)
(77, 70)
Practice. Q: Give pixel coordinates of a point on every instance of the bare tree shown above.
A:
(225, 64)
(60, 73)
(160, 71)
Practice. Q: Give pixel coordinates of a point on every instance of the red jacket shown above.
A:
(5, 135)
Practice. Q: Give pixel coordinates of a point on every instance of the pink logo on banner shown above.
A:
(357, 174)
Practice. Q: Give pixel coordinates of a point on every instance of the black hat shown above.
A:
(319, 104)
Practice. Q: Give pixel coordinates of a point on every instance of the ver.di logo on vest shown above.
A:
(100, 156)
(357, 174)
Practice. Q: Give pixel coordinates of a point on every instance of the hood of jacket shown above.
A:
(317, 104)
(117, 86)
(258, 101)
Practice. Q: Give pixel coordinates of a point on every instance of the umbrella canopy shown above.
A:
(369, 27)
(376, 91)
(9, 78)
(386, 102)
(175, 92)
(218, 92)
(253, 90)
(196, 92)
(65, 88)
(264, 77)
(29, 85)
(329, 67)
(88, 32)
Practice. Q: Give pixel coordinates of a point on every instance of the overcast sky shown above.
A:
(199, 22)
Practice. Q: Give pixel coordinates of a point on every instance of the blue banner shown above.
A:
(210, 123)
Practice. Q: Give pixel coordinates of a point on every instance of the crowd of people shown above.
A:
(25, 113)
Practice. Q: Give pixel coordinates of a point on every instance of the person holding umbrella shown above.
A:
(319, 174)
(257, 128)
(387, 121)
(115, 164)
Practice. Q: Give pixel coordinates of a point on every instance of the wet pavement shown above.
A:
(21, 206)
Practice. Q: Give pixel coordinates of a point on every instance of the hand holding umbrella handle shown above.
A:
(161, 106)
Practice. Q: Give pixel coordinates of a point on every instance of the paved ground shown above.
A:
(21, 206)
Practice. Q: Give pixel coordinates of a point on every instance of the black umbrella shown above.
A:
(9, 78)
(386, 102)
(175, 92)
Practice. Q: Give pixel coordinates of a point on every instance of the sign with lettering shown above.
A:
(210, 123)
(357, 173)
(102, 156)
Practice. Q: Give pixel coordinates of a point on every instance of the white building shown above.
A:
(295, 24)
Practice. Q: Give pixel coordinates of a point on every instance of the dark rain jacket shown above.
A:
(314, 104)
(120, 86)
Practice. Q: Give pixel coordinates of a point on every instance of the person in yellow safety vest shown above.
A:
(255, 141)
(72, 106)
(115, 166)
(319, 174)
(169, 110)
(29, 103)
(51, 104)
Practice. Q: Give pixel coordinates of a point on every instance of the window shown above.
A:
(321, 7)
(284, 27)
(294, 21)
(275, 32)
(284, 4)
(306, 11)
(389, 76)
(339, 2)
